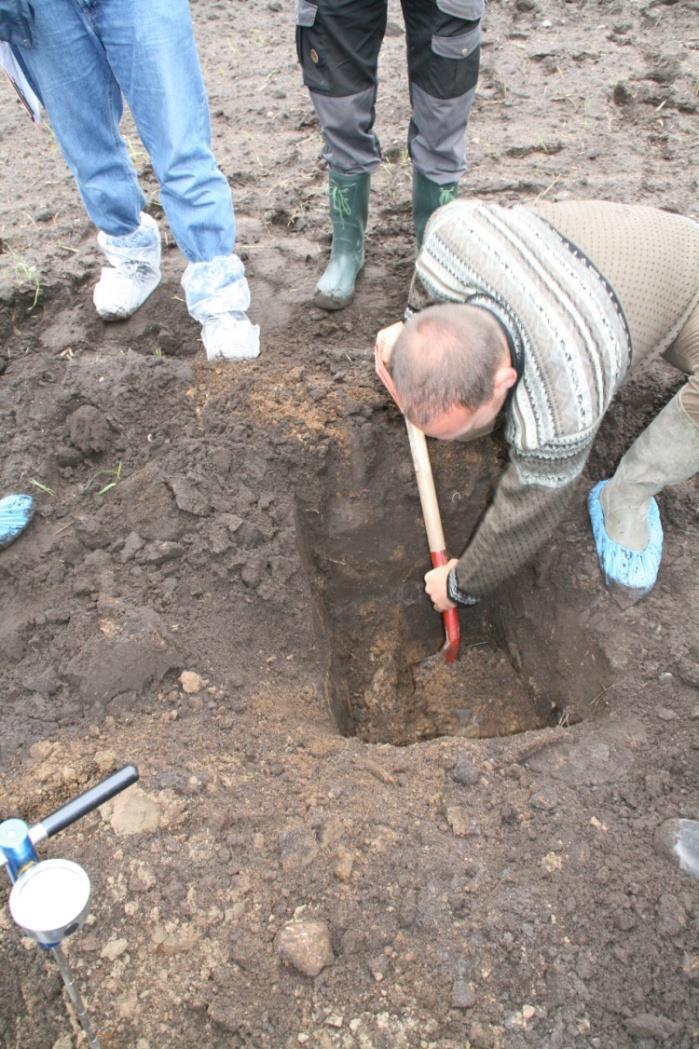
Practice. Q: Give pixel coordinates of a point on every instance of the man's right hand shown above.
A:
(383, 348)
(386, 340)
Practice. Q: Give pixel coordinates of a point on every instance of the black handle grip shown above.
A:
(88, 801)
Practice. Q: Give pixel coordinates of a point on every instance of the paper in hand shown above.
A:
(12, 68)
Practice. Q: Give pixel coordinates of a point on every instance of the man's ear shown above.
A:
(384, 374)
(505, 378)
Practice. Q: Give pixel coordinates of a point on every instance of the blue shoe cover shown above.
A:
(633, 569)
(16, 511)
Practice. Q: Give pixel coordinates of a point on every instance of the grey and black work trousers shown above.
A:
(338, 43)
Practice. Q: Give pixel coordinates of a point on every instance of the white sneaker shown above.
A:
(133, 273)
(231, 337)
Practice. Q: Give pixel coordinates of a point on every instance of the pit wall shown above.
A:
(529, 655)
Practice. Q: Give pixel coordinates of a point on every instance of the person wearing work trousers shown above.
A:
(83, 58)
(338, 43)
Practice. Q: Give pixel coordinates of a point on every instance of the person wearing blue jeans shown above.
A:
(84, 58)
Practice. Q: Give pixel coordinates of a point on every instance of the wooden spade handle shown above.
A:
(426, 489)
(435, 532)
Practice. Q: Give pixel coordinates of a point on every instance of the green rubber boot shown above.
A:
(427, 197)
(349, 209)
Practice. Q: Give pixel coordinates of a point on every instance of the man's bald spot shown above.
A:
(446, 356)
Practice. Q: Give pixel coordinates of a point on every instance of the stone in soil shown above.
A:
(306, 945)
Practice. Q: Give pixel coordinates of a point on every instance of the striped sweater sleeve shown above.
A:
(519, 521)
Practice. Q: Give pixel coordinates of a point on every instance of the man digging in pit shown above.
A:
(544, 312)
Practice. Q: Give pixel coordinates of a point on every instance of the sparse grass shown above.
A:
(46, 129)
(137, 156)
(42, 487)
(396, 172)
(115, 475)
(296, 212)
(26, 275)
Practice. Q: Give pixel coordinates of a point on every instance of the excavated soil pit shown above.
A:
(524, 662)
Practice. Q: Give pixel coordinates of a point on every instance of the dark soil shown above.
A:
(264, 533)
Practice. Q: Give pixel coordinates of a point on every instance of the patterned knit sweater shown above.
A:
(571, 338)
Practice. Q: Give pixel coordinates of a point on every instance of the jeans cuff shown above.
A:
(216, 287)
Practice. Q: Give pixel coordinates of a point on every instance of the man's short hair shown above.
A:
(446, 356)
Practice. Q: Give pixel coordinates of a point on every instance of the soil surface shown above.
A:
(222, 584)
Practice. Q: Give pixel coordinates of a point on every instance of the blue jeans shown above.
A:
(88, 56)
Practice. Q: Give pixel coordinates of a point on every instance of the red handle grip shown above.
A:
(450, 618)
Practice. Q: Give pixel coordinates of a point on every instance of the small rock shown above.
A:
(179, 941)
(189, 497)
(8, 293)
(665, 714)
(305, 944)
(231, 521)
(688, 670)
(648, 1025)
(344, 865)
(191, 682)
(679, 839)
(666, 69)
(89, 430)
(672, 917)
(113, 949)
(465, 773)
(132, 544)
(251, 572)
(621, 94)
(299, 848)
(544, 800)
(42, 749)
(159, 552)
(126, 1005)
(463, 995)
(67, 456)
(552, 862)
(378, 967)
(460, 822)
(135, 813)
(45, 681)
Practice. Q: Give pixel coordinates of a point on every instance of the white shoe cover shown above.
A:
(231, 337)
(133, 273)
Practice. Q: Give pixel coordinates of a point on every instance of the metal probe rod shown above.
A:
(74, 995)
